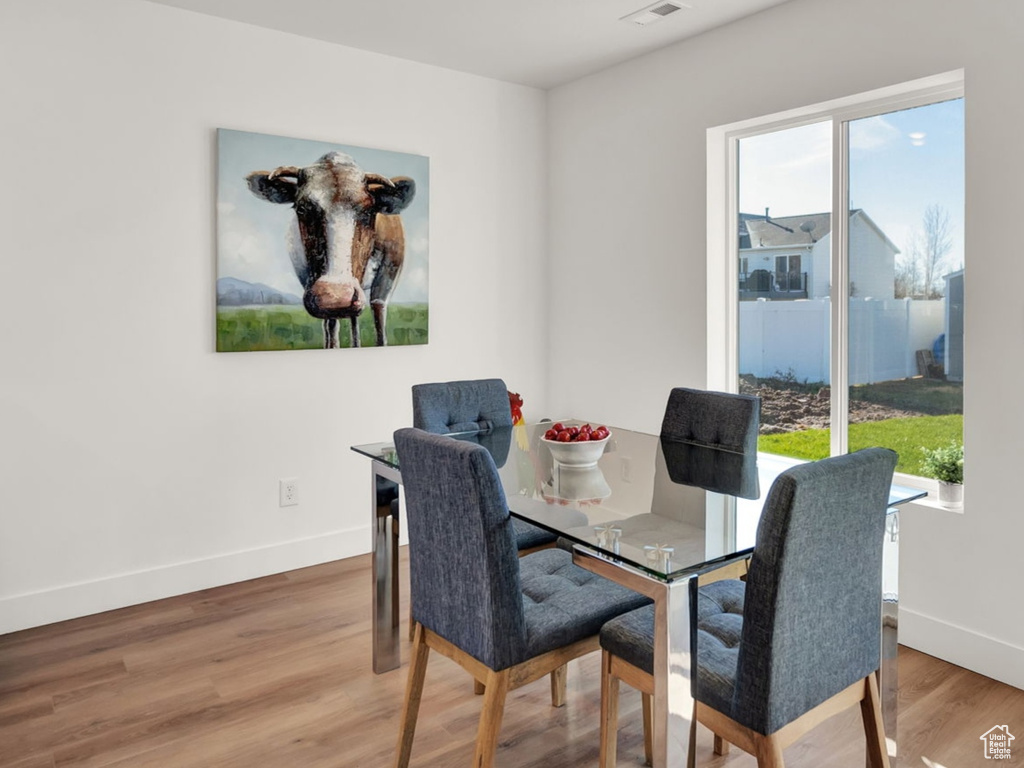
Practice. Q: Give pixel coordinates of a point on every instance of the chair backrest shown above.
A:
(717, 419)
(711, 469)
(461, 406)
(463, 563)
(812, 615)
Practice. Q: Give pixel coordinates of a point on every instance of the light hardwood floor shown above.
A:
(275, 673)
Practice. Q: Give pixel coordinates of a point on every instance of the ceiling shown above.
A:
(540, 43)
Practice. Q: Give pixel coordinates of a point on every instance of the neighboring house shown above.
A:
(788, 257)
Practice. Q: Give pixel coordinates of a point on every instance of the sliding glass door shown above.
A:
(850, 326)
(785, 195)
(905, 250)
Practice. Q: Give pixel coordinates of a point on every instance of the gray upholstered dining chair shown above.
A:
(800, 641)
(479, 407)
(476, 405)
(721, 420)
(716, 419)
(506, 620)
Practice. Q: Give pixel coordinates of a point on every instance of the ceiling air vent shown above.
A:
(653, 13)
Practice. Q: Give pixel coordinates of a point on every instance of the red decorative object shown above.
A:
(515, 403)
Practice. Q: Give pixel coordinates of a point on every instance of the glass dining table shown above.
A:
(653, 514)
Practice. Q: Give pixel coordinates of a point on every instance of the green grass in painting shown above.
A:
(907, 437)
(250, 329)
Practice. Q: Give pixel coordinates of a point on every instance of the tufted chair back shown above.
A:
(813, 596)
(716, 419)
(461, 406)
(463, 562)
(711, 468)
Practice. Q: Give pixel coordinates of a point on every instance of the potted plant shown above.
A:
(946, 464)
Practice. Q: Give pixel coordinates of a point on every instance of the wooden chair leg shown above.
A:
(768, 751)
(490, 719)
(413, 694)
(874, 727)
(609, 712)
(558, 678)
(647, 705)
(478, 688)
(721, 745)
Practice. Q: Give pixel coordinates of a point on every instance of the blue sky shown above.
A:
(900, 163)
(251, 242)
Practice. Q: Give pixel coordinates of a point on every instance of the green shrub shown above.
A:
(945, 463)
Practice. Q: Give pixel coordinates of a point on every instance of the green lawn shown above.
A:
(905, 436)
(926, 396)
(249, 329)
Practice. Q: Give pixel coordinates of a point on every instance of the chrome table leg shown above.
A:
(889, 678)
(673, 694)
(386, 650)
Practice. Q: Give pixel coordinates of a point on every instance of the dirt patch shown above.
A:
(789, 408)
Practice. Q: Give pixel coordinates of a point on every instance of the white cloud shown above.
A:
(788, 171)
(417, 243)
(873, 133)
(253, 253)
(412, 286)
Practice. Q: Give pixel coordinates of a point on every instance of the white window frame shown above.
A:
(723, 238)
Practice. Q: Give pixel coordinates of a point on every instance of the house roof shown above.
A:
(769, 231)
(764, 231)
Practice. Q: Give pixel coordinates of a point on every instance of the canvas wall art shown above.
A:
(319, 245)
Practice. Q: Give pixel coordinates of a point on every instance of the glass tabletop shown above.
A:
(664, 507)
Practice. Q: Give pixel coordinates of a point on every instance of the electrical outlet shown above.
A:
(288, 490)
(627, 469)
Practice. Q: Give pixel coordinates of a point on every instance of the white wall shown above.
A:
(628, 212)
(136, 462)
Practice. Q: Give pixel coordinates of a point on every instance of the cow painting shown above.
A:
(346, 241)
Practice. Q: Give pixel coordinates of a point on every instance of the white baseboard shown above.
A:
(86, 598)
(966, 648)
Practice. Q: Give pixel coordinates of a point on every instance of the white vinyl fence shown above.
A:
(885, 334)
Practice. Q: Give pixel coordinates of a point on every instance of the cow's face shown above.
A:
(335, 236)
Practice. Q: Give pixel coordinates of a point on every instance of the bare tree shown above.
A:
(920, 265)
(936, 243)
(908, 269)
